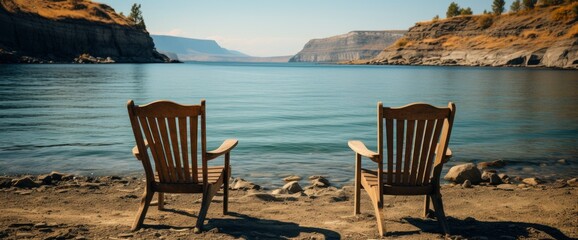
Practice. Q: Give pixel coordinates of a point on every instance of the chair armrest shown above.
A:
(447, 156)
(449, 153)
(361, 149)
(226, 147)
(135, 151)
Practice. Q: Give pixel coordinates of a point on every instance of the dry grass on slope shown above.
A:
(535, 29)
(67, 9)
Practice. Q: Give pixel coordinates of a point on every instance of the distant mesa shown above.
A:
(44, 31)
(355, 45)
(190, 49)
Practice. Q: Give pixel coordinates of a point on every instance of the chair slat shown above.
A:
(425, 151)
(432, 147)
(173, 134)
(184, 148)
(400, 124)
(389, 141)
(408, 150)
(194, 164)
(167, 148)
(416, 151)
(160, 161)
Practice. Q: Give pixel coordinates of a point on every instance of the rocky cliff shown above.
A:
(543, 37)
(354, 45)
(60, 31)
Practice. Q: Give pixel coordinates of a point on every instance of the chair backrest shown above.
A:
(413, 135)
(171, 131)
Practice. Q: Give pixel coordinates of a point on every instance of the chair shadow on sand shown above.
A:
(250, 227)
(256, 228)
(470, 227)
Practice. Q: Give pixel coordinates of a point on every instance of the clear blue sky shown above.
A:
(276, 28)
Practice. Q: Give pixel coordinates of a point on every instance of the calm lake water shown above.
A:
(289, 118)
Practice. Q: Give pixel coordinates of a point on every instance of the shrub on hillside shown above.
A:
(78, 4)
(485, 21)
(565, 12)
(401, 42)
(550, 2)
(529, 4)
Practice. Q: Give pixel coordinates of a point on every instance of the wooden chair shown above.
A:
(415, 133)
(171, 133)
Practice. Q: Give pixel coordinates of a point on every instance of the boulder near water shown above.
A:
(462, 172)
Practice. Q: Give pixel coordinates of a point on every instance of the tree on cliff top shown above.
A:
(516, 6)
(529, 4)
(453, 10)
(498, 7)
(136, 16)
(466, 11)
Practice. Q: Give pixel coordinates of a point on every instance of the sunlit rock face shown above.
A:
(527, 39)
(96, 30)
(356, 45)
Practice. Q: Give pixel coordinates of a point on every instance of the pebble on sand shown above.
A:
(492, 177)
(532, 181)
(467, 184)
(242, 184)
(289, 188)
(292, 187)
(573, 182)
(25, 182)
(492, 164)
(320, 182)
(292, 178)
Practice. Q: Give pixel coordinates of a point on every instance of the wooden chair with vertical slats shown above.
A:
(414, 134)
(171, 134)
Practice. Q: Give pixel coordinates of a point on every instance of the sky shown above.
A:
(265, 28)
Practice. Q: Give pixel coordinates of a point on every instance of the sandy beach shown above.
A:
(78, 207)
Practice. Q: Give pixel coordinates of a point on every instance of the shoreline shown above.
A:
(80, 207)
(369, 62)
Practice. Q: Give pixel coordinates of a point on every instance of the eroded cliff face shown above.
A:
(356, 45)
(545, 37)
(30, 37)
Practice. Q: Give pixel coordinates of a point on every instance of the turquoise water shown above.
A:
(289, 118)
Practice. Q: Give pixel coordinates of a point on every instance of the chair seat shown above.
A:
(369, 179)
(214, 173)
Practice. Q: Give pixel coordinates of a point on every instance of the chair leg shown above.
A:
(378, 210)
(204, 209)
(426, 206)
(428, 213)
(161, 202)
(142, 211)
(226, 191)
(439, 211)
(357, 187)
